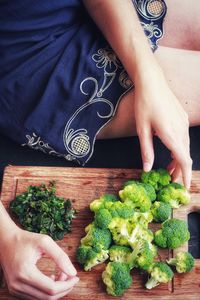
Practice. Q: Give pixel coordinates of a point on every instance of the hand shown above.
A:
(157, 111)
(19, 254)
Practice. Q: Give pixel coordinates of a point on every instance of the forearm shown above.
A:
(119, 23)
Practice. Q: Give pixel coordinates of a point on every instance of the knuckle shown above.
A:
(45, 239)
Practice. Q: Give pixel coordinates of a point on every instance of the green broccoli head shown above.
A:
(97, 237)
(117, 278)
(103, 218)
(183, 261)
(175, 194)
(119, 253)
(102, 202)
(173, 234)
(143, 255)
(136, 194)
(90, 257)
(150, 191)
(156, 178)
(161, 211)
(122, 209)
(160, 273)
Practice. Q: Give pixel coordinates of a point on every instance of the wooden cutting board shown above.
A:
(82, 186)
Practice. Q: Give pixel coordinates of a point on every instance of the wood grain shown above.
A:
(82, 186)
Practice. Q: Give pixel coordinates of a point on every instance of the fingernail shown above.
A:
(72, 270)
(147, 167)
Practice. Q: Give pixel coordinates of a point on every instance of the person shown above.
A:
(73, 71)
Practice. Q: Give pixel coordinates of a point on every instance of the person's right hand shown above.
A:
(19, 254)
(158, 112)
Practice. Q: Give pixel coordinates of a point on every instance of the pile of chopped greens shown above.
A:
(120, 232)
(40, 210)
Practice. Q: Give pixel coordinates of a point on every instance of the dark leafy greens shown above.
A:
(40, 210)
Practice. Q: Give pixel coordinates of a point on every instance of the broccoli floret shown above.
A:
(142, 218)
(183, 261)
(173, 234)
(119, 253)
(156, 178)
(139, 232)
(160, 273)
(122, 209)
(175, 194)
(90, 257)
(161, 211)
(148, 188)
(102, 202)
(97, 237)
(103, 218)
(143, 255)
(136, 194)
(117, 278)
(120, 229)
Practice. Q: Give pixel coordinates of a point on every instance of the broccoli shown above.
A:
(121, 230)
(139, 232)
(97, 237)
(150, 191)
(175, 194)
(183, 261)
(119, 253)
(90, 257)
(161, 211)
(142, 218)
(103, 202)
(173, 234)
(104, 216)
(136, 194)
(125, 232)
(143, 255)
(156, 178)
(160, 273)
(117, 278)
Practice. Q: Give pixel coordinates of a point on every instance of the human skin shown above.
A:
(164, 88)
(163, 103)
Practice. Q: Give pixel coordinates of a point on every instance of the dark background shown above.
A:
(116, 153)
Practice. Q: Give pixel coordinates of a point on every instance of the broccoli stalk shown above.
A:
(160, 273)
(183, 261)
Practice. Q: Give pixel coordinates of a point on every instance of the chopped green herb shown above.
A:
(40, 210)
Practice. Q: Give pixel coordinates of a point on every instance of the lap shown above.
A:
(182, 25)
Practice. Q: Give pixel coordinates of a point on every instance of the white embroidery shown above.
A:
(152, 30)
(35, 142)
(77, 142)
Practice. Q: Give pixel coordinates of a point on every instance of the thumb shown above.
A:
(59, 256)
(146, 145)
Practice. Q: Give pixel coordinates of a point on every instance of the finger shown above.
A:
(176, 173)
(59, 256)
(62, 277)
(45, 284)
(53, 277)
(147, 151)
(171, 166)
